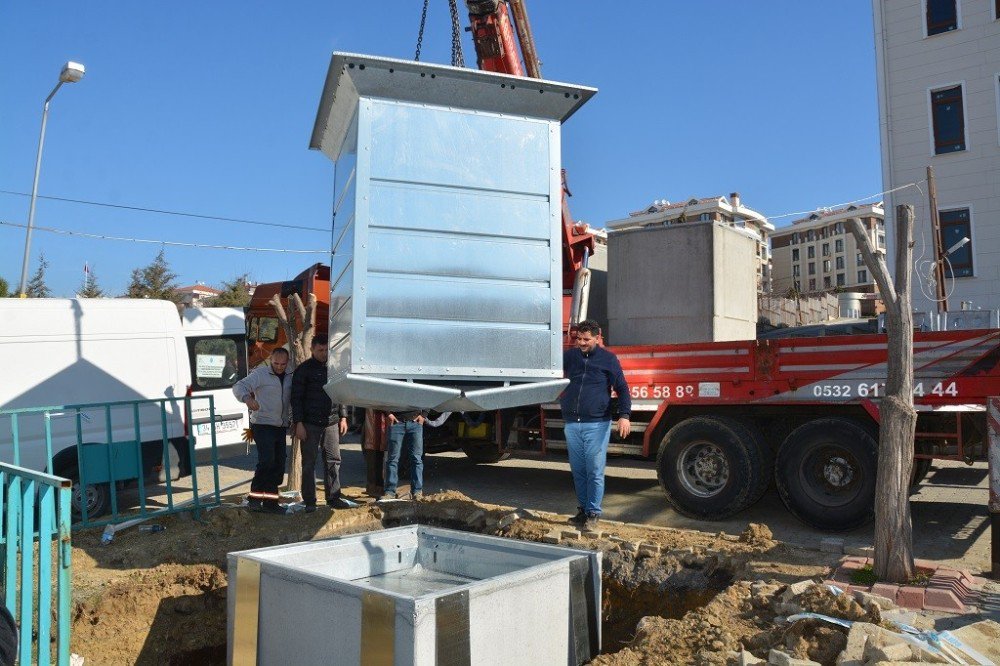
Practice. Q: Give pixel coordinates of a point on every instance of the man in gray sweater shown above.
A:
(266, 392)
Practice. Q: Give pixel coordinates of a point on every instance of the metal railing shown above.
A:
(27, 571)
(113, 454)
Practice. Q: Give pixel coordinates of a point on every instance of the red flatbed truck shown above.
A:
(722, 420)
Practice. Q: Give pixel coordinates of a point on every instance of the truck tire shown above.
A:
(713, 467)
(825, 473)
(485, 454)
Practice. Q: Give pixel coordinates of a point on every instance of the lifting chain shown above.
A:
(420, 35)
(457, 58)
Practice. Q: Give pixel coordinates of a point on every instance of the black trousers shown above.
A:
(271, 455)
(326, 439)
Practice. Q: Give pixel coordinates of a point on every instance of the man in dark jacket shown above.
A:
(586, 408)
(318, 424)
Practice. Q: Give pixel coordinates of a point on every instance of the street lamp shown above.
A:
(71, 73)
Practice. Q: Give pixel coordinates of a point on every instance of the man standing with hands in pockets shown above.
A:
(593, 372)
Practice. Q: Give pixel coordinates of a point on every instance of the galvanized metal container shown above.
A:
(414, 595)
(446, 268)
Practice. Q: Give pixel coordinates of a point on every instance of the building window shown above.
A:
(812, 285)
(838, 228)
(838, 246)
(795, 252)
(942, 16)
(811, 252)
(861, 259)
(840, 263)
(795, 236)
(955, 226)
(826, 265)
(996, 9)
(949, 120)
(812, 268)
(810, 236)
(826, 249)
(862, 277)
(881, 240)
(795, 270)
(840, 280)
(826, 282)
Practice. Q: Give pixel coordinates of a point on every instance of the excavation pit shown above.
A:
(412, 595)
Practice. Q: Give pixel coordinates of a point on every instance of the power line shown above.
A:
(170, 212)
(82, 234)
(915, 184)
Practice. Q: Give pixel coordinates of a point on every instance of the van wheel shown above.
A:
(825, 473)
(97, 497)
(713, 467)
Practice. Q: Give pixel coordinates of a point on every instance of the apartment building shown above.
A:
(730, 211)
(938, 69)
(818, 253)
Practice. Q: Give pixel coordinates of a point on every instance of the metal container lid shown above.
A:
(352, 76)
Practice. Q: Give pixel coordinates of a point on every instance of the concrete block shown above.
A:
(423, 586)
(983, 637)
(796, 589)
(568, 533)
(747, 659)
(593, 534)
(475, 517)
(892, 652)
(649, 550)
(867, 599)
(832, 545)
(551, 537)
(779, 658)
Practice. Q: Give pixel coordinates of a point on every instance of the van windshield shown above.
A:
(217, 362)
(264, 329)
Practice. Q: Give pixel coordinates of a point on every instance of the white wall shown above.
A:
(908, 66)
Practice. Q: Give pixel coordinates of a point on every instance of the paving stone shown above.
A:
(867, 599)
(860, 551)
(568, 533)
(943, 600)
(910, 596)
(887, 590)
(795, 589)
(551, 537)
(747, 659)
(593, 534)
(832, 545)
(891, 652)
(649, 550)
(854, 653)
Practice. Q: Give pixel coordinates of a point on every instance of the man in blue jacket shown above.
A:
(586, 408)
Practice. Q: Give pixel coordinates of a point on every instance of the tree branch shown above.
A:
(875, 262)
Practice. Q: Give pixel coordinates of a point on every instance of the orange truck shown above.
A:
(264, 333)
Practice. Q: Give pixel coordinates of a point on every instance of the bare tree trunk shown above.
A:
(893, 526)
(295, 358)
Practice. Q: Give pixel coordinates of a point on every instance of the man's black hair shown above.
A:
(589, 326)
(321, 339)
(280, 350)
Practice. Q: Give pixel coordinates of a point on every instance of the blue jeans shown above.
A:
(588, 452)
(402, 434)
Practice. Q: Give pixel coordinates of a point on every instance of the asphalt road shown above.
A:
(951, 522)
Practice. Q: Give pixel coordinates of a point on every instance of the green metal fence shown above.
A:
(112, 442)
(26, 571)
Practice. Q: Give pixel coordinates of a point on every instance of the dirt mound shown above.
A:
(757, 534)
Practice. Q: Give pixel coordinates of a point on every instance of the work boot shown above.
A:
(341, 503)
(579, 519)
(310, 508)
(417, 496)
(254, 504)
(272, 506)
(388, 496)
(592, 521)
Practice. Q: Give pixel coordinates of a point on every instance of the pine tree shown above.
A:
(4, 288)
(90, 289)
(154, 281)
(36, 286)
(234, 294)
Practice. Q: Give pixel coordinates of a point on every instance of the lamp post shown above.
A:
(71, 73)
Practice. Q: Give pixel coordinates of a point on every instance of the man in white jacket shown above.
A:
(266, 392)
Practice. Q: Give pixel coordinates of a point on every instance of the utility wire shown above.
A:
(915, 184)
(83, 234)
(170, 212)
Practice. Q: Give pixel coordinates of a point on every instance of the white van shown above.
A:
(77, 351)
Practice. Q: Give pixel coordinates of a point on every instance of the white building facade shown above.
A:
(938, 70)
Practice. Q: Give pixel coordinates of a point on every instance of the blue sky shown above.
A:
(207, 107)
